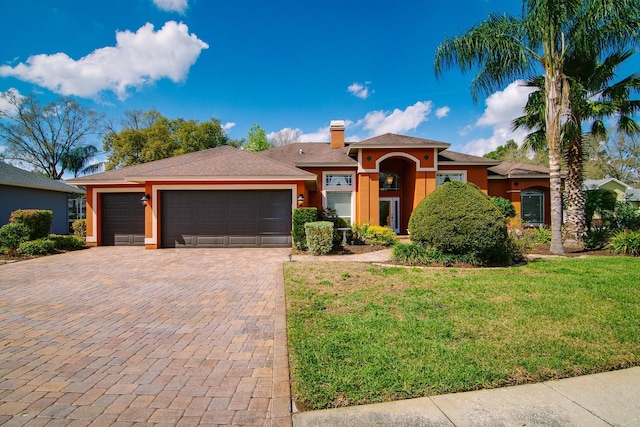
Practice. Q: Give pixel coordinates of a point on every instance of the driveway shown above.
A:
(123, 336)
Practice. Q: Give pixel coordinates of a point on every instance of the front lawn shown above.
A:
(360, 333)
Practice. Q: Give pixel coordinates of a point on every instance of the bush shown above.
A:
(625, 243)
(319, 237)
(409, 253)
(539, 235)
(37, 221)
(11, 235)
(459, 219)
(67, 242)
(332, 216)
(80, 227)
(37, 247)
(301, 216)
(374, 235)
(504, 206)
(596, 238)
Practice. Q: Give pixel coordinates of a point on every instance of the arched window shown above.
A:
(532, 207)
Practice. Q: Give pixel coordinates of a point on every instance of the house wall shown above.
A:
(511, 189)
(370, 157)
(475, 174)
(14, 198)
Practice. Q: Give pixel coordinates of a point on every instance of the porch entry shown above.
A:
(390, 213)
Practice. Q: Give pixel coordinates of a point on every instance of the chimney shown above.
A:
(337, 133)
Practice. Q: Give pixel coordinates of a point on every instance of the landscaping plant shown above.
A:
(319, 237)
(37, 247)
(80, 227)
(625, 242)
(374, 235)
(12, 235)
(37, 221)
(459, 219)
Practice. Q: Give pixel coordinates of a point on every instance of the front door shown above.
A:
(390, 213)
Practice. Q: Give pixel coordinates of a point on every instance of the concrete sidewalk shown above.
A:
(607, 399)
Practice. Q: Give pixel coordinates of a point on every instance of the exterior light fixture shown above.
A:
(145, 200)
(300, 200)
(389, 179)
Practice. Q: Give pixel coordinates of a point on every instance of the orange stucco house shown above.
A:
(225, 197)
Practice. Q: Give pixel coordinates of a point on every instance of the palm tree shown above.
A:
(76, 159)
(505, 48)
(592, 99)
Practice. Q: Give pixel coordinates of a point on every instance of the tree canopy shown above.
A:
(47, 137)
(257, 139)
(504, 48)
(148, 136)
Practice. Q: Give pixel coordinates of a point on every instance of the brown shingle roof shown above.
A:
(311, 154)
(399, 141)
(454, 156)
(220, 162)
(519, 169)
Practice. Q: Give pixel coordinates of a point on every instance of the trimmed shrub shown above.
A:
(331, 215)
(300, 217)
(67, 242)
(625, 243)
(79, 227)
(11, 235)
(374, 235)
(37, 247)
(459, 219)
(319, 237)
(37, 221)
(504, 206)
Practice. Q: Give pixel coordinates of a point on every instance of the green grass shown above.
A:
(360, 333)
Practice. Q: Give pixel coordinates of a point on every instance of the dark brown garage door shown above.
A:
(229, 218)
(122, 219)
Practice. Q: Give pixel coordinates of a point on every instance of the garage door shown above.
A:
(210, 219)
(122, 219)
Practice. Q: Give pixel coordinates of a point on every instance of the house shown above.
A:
(20, 189)
(623, 192)
(225, 197)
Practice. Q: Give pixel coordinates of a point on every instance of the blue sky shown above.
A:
(281, 64)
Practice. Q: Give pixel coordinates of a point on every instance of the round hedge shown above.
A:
(458, 218)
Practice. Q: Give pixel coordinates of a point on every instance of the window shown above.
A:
(341, 202)
(388, 181)
(442, 177)
(532, 207)
(338, 180)
(338, 193)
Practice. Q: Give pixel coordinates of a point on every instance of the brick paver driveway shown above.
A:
(124, 336)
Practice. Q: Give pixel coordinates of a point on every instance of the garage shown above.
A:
(225, 218)
(122, 219)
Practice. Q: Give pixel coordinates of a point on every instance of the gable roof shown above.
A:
(16, 177)
(309, 154)
(597, 183)
(222, 162)
(392, 140)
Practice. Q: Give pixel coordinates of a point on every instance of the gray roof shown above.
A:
(16, 177)
(519, 169)
(397, 141)
(220, 162)
(461, 158)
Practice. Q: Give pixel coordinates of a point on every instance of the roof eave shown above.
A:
(142, 180)
(353, 149)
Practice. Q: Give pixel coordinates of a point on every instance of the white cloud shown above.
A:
(502, 108)
(138, 59)
(321, 135)
(228, 125)
(398, 121)
(171, 5)
(442, 112)
(360, 90)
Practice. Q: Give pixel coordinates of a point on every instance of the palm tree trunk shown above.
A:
(554, 101)
(575, 227)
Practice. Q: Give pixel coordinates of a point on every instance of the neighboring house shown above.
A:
(624, 192)
(20, 189)
(225, 197)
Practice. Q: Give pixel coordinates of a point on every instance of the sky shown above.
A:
(282, 64)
